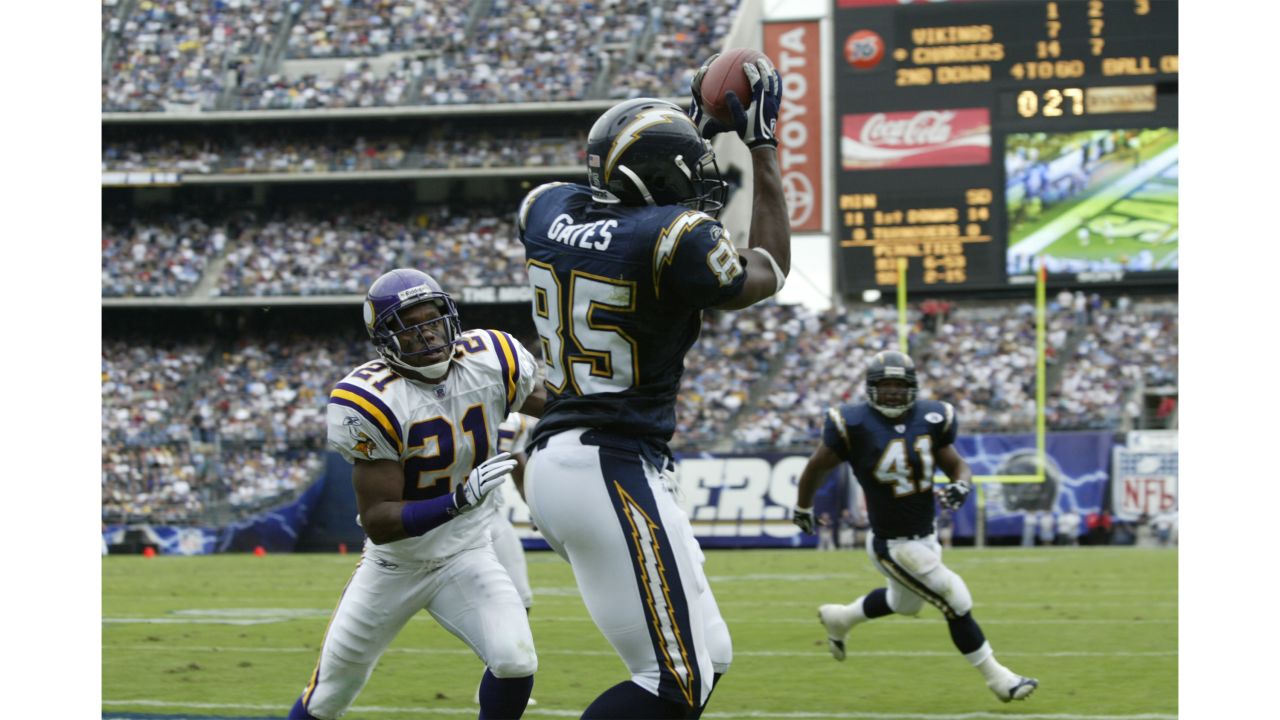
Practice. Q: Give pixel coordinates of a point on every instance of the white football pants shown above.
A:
(510, 553)
(916, 575)
(612, 515)
(469, 594)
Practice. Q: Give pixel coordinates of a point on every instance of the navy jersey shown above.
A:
(618, 293)
(893, 460)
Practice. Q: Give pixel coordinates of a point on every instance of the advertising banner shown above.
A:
(733, 500)
(797, 50)
(1076, 479)
(915, 139)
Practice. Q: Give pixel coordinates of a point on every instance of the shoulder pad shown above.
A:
(664, 250)
(533, 195)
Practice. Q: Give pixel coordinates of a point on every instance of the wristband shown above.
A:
(778, 275)
(421, 516)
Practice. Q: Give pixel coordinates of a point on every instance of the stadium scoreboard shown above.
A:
(977, 139)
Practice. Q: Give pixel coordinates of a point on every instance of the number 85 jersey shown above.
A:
(618, 293)
(437, 432)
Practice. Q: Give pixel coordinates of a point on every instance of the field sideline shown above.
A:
(237, 636)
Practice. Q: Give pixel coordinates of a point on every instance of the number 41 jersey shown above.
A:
(437, 432)
(618, 293)
(893, 460)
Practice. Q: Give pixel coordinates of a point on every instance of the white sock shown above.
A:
(985, 660)
(855, 612)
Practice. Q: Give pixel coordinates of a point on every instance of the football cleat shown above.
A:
(835, 619)
(1014, 687)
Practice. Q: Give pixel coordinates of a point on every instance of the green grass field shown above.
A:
(237, 636)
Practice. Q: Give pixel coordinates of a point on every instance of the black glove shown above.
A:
(757, 123)
(708, 126)
(803, 518)
(952, 496)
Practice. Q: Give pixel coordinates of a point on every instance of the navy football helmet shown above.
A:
(648, 152)
(892, 365)
(400, 341)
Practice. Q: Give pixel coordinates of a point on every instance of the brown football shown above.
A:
(726, 74)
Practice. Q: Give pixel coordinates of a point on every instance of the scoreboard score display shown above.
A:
(978, 139)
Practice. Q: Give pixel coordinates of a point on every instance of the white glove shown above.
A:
(484, 479)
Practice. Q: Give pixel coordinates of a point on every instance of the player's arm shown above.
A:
(820, 464)
(387, 517)
(957, 470)
(379, 486)
(768, 256)
(517, 473)
(535, 402)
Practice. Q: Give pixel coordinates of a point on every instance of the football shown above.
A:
(726, 74)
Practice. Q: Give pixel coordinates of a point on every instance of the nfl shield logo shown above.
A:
(440, 391)
(900, 428)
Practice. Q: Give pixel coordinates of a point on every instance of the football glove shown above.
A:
(707, 125)
(952, 496)
(484, 479)
(803, 518)
(757, 123)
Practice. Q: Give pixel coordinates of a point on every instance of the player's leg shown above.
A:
(374, 606)
(719, 644)
(510, 552)
(474, 599)
(506, 544)
(840, 619)
(917, 565)
(609, 513)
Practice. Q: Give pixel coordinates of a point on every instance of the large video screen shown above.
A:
(1095, 201)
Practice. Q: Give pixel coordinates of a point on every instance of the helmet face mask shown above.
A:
(892, 385)
(410, 319)
(647, 152)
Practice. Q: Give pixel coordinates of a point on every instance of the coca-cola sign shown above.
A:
(915, 139)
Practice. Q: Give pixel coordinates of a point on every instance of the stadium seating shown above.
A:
(446, 148)
(174, 55)
(756, 380)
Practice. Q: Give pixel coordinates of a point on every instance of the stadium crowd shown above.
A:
(1123, 346)
(445, 150)
(171, 55)
(312, 252)
(192, 425)
(733, 352)
(156, 258)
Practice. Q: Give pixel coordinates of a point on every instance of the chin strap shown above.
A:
(429, 373)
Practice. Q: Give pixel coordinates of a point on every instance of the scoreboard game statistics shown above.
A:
(978, 139)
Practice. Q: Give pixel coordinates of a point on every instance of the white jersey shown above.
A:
(515, 432)
(437, 432)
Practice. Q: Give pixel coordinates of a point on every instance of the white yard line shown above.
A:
(540, 712)
(585, 619)
(609, 653)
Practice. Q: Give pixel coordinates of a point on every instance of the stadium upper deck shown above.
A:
(184, 55)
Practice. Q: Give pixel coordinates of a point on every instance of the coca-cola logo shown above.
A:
(916, 138)
(864, 49)
(930, 127)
